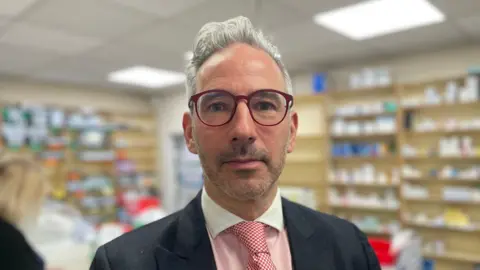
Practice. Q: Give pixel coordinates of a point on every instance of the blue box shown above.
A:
(319, 82)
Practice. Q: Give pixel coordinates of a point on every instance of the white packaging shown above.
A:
(353, 128)
(431, 96)
(356, 81)
(368, 77)
(451, 92)
(338, 127)
(383, 77)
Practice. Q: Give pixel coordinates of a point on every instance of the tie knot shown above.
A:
(252, 235)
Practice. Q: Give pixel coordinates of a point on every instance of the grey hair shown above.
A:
(215, 36)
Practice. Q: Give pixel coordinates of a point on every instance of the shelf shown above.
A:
(420, 86)
(451, 256)
(443, 132)
(362, 137)
(384, 90)
(454, 181)
(443, 228)
(456, 238)
(360, 117)
(365, 208)
(390, 158)
(364, 185)
(441, 159)
(444, 106)
(442, 201)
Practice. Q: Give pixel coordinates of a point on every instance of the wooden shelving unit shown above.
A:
(91, 185)
(306, 166)
(461, 246)
(384, 162)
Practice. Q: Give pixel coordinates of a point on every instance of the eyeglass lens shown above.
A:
(266, 107)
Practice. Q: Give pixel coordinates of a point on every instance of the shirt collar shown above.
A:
(218, 219)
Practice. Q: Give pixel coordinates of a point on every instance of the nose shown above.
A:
(243, 126)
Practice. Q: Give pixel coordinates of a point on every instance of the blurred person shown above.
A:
(22, 191)
(242, 125)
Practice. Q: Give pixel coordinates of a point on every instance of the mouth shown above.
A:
(244, 164)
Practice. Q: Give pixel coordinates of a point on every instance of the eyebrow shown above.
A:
(214, 95)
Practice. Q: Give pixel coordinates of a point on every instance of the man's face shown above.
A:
(242, 158)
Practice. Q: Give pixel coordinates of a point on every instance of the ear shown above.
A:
(293, 131)
(187, 124)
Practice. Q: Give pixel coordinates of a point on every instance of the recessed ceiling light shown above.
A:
(146, 77)
(373, 18)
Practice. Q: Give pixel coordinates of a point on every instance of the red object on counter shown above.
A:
(382, 250)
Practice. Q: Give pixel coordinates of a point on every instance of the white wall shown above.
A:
(419, 67)
(432, 65)
(170, 109)
(63, 95)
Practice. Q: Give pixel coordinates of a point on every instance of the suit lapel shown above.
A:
(310, 248)
(191, 244)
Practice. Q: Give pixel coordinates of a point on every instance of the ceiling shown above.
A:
(81, 41)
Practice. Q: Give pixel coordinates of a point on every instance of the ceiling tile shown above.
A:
(42, 38)
(428, 37)
(14, 7)
(3, 21)
(330, 54)
(304, 36)
(118, 56)
(166, 36)
(162, 8)
(471, 25)
(101, 19)
(312, 7)
(215, 10)
(458, 8)
(22, 60)
(72, 69)
(84, 70)
(270, 15)
(273, 15)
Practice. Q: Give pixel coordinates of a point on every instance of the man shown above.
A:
(241, 124)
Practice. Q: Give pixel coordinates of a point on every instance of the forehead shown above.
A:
(240, 68)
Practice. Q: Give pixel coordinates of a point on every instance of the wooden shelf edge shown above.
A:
(451, 256)
(364, 208)
(442, 201)
(443, 228)
(365, 185)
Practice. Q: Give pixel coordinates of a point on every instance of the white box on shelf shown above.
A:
(300, 195)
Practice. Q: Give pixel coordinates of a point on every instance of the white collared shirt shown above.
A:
(218, 219)
(229, 253)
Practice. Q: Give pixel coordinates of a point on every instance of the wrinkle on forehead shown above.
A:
(240, 60)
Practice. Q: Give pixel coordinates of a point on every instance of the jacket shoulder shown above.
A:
(15, 251)
(346, 238)
(326, 221)
(144, 239)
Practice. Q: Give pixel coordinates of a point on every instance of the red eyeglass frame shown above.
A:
(194, 99)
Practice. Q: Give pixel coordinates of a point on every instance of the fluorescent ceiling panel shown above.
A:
(374, 18)
(146, 77)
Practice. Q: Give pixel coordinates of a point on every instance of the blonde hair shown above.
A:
(22, 188)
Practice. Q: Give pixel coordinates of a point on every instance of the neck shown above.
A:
(246, 209)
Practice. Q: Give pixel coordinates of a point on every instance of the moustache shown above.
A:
(243, 153)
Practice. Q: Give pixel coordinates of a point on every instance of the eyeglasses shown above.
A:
(217, 107)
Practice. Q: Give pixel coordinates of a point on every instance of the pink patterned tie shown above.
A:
(252, 235)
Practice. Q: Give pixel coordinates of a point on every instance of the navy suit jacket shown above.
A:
(180, 242)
